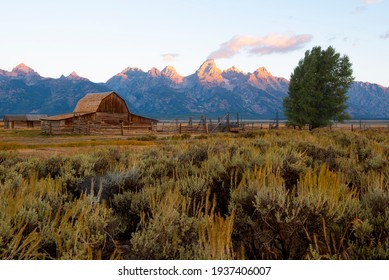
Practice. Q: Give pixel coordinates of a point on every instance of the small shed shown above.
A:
(23, 121)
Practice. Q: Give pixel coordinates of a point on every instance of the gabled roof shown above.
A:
(26, 117)
(62, 117)
(91, 102)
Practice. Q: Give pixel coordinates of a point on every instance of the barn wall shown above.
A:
(18, 124)
(113, 104)
(32, 124)
(111, 117)
(139, 119)
(67, 122)
(22, 124)
(84, 118)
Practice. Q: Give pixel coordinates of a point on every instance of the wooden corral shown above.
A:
(94, 114)
(22, 121)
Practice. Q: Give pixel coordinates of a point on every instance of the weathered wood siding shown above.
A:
(107, 117)
(85, 118)
(113, 104)
(22, 124)
(139, 119)
(98, 113)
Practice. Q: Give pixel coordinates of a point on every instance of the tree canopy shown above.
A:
(318, 89)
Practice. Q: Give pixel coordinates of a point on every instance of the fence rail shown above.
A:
(95, 129)
(202, 126)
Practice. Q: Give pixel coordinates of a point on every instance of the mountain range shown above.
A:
(164, 94)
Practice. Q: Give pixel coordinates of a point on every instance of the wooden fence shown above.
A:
(204, 125)
(226, 125)
(96, 129)
(354, 125)
(201, 126)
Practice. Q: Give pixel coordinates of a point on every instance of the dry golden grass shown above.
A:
(258, 195)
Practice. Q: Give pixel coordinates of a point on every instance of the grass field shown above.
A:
(284, 194)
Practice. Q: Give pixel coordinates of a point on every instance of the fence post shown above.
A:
(352, 127)
(121, 129)
(228, 121)
(277, 120)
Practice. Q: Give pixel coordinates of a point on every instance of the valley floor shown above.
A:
(263, 194)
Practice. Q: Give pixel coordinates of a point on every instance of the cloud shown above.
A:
(341, 37)
(169, 57)
(385, 36)
(365, 4)
(368, 2)
(359, 9)
(272, 43)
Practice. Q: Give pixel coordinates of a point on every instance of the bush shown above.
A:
(195, 155)
(371, 230)
(281, 195)
(169, 233)
(148, 137)
(47, 224)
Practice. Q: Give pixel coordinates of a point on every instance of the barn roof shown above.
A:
(62, 117)
(25, 117)
(91, 102)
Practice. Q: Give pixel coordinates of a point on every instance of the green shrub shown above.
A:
(371, 231)
(148, 137)
(51, 167)
(262, 144)
(195, 155)
(129, 207)
(376, 163)
(194, 187)
(169, 233)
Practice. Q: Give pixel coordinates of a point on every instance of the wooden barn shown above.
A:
(106, 108)
(23, 121)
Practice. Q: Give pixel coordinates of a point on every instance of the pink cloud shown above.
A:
(272, 43)
(169, 57)
(372, 1)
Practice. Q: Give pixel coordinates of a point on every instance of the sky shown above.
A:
(99, 39)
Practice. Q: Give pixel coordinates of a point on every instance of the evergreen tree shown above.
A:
(318, 89)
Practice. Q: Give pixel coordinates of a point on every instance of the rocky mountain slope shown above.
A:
(164, 94)
(209, 91)
(24, 91)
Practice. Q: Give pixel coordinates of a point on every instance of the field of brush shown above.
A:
(284, 194)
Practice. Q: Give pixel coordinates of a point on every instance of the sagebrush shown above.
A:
(259, 195)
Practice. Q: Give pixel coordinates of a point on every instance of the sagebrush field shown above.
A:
(284, 194)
